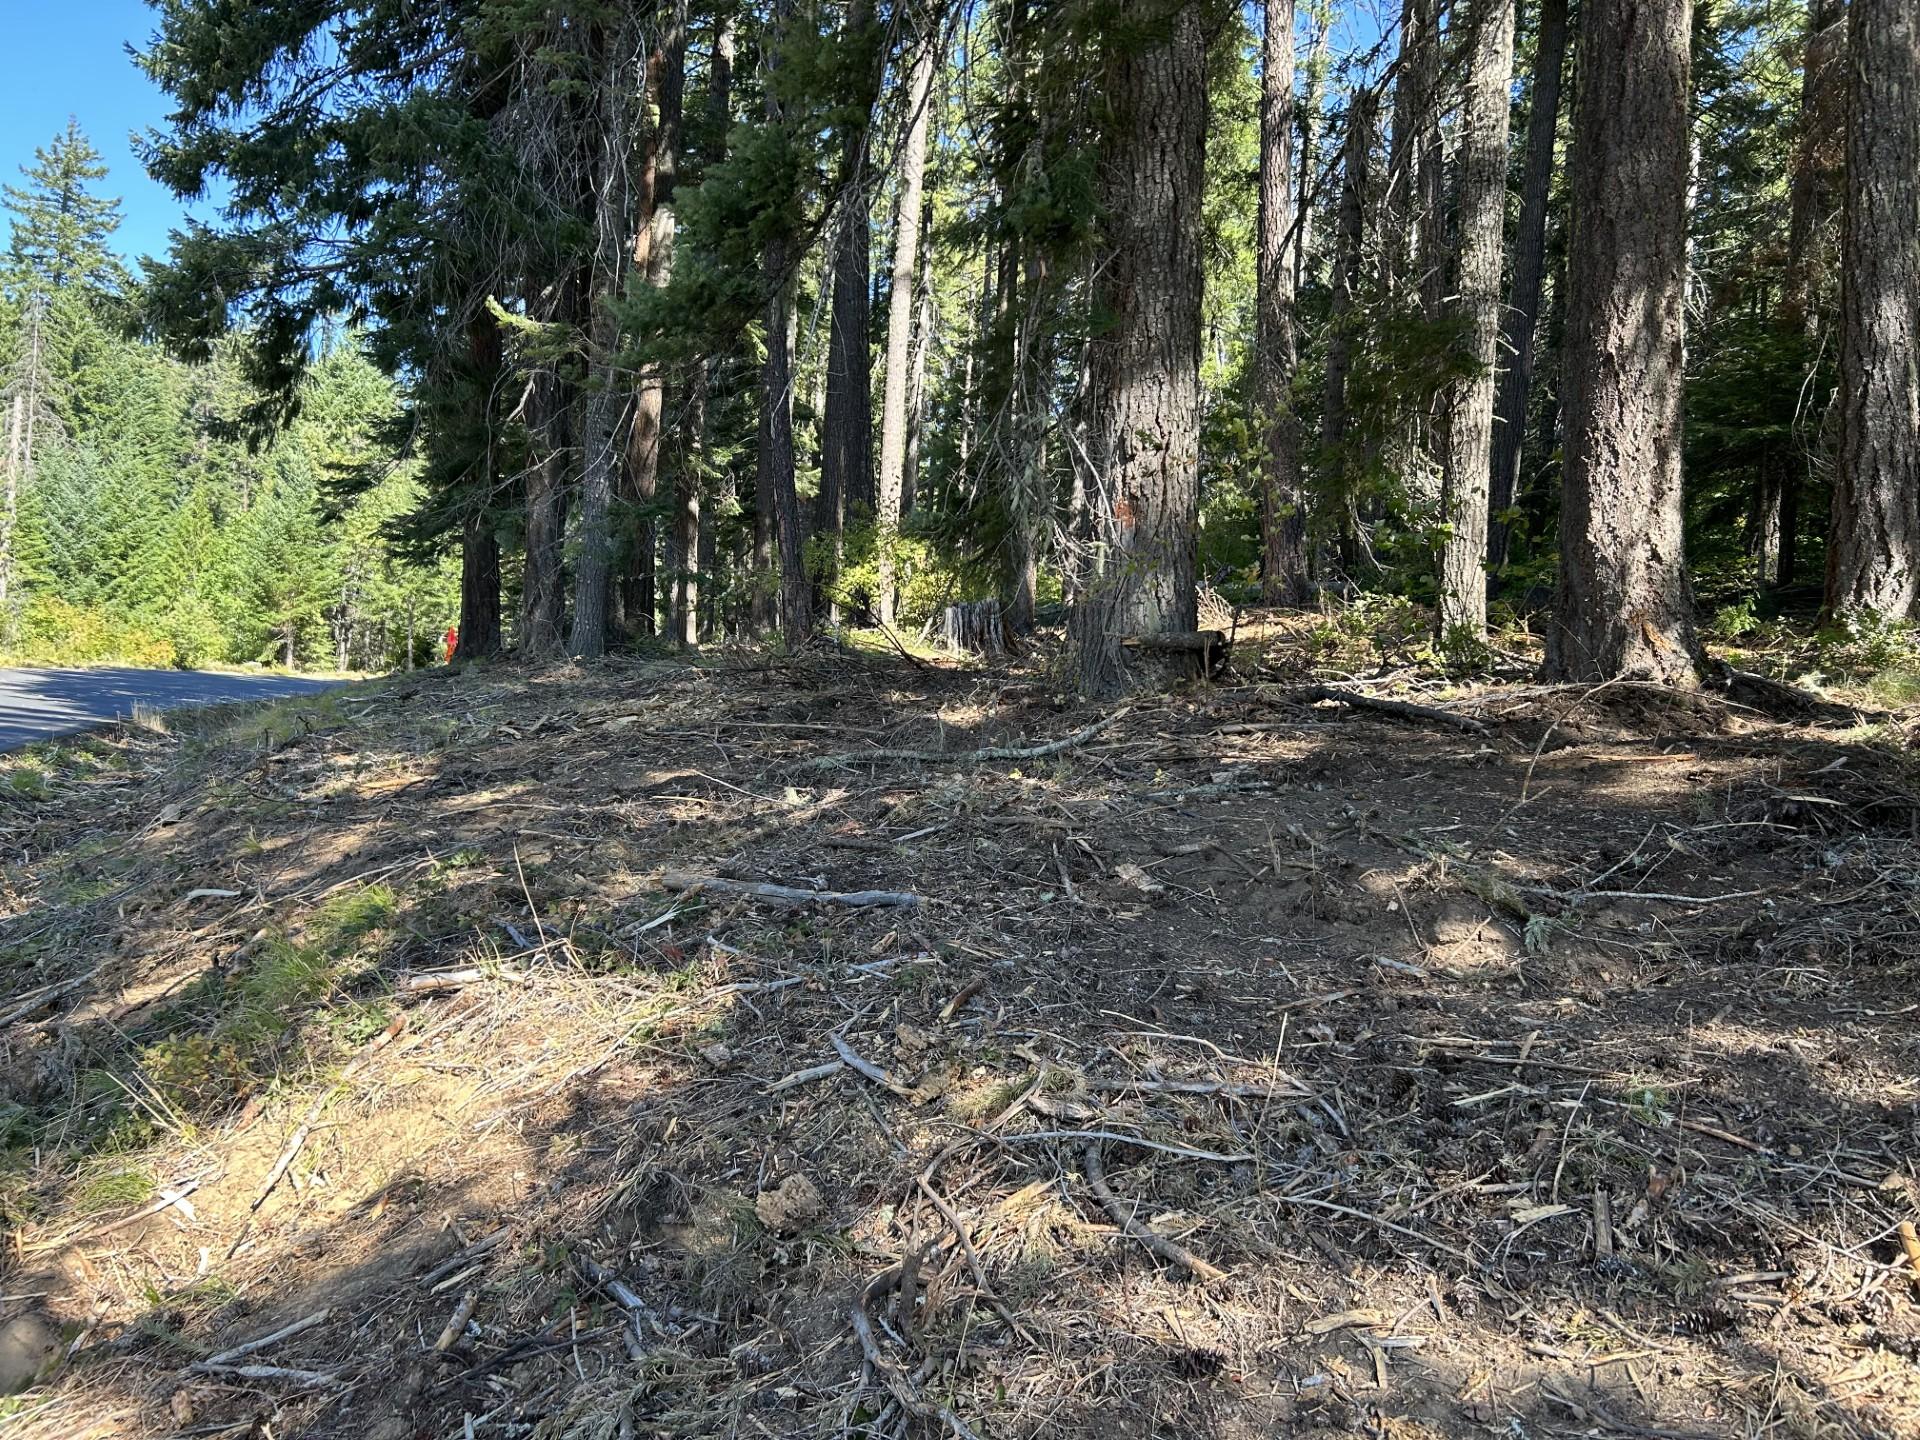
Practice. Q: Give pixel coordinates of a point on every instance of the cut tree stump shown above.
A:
(973, 627)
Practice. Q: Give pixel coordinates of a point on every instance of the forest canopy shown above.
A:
(695, 322)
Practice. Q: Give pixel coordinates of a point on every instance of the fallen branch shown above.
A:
(420, 981)
(479, 1248)
(1400, 709)
(456, 1325)
(1294, 1090)
(1182, 1151)
(285, 1332)
(859, 1063)
(793, 895)
(43, 996)
(640, 1315)
(317, 1378)
(169, 1196)
(949, 757)
(1171, 1251)
(804, 1077)
(898, 1384)
(1415, 1235)
(321, 1101)
(1663, 896)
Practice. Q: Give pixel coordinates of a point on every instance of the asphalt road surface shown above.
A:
(39, 704)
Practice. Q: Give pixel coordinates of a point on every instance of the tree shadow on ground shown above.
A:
(1371, 961)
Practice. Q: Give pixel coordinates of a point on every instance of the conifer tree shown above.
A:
(63, 231)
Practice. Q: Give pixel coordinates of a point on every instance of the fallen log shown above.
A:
(1399, 709)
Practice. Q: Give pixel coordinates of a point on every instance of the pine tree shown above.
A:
(1283, 521)
(1874, 564)
(894, 414)
(1475, 288)
(1144, 427)
(1521, 319)
(1624, 607)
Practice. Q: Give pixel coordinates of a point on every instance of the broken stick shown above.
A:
(898, 1383)
(285, 1332)
(1123, 1215)
(793, 895)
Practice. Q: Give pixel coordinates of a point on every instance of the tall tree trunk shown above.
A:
(653, 243)
(1415, 237)
(776, 392)
(542, 591)
(1823, 90)
(1873, 559)
(16, 434)
(693, 542)
(602, 404)
(1529, 272)
(1031, 488)
(846, 458)
(763, 611)
(778, 492)
(690, 563)
(1624, 608)
(599, 412)
(1821, 132)
(1144, 423)
(1348, 249)
(1476, 302)
(1397, 208)
(1283, 514)
(479, 636)
(906, 245)
(1309, 145)
(925, 319)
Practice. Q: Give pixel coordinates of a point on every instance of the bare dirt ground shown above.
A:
(1253, 1063)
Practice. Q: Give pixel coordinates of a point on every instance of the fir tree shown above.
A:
(62, 230)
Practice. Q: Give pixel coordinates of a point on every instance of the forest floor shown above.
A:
(1252, 1063)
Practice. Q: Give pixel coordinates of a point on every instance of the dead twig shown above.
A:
(285, 1332)
(456, 1325)
(466, 1255)
(170, 1196)
(1123, 1139)
(1124, 1216)
(318, 1379)
(856, 1062)
(898, 1383)
(312, 1117)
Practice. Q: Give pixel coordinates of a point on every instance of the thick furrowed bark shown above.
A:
(1624, 606)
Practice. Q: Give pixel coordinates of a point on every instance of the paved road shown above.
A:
(37, 704)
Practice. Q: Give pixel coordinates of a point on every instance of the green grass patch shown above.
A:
(114, 1188)
(254, 1014)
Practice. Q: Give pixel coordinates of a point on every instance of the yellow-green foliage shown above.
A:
(53, 632)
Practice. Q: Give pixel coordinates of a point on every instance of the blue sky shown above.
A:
(69, 57)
